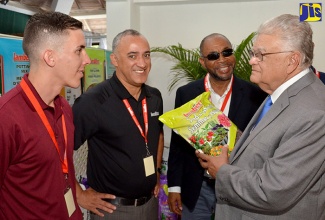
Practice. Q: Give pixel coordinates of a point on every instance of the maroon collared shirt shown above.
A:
(32, 184)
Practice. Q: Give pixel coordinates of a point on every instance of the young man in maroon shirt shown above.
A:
(37, 178)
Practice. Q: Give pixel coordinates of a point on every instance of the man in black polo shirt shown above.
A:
(119, 119)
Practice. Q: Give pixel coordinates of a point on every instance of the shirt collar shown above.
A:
(226, 91)
(57, 101)
(276, 94)
(122, 92)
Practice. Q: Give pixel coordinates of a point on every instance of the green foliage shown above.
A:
(243, 68)
(189, 68)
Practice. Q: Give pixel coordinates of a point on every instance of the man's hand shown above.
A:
(92, 201)
(156, 190)
(175, 202)
(213, 163)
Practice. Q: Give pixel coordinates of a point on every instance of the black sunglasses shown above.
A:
(216, 55)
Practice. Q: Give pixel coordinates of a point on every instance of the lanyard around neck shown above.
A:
(225, 101)
(145, 119)
(46, 123)
(316, 72)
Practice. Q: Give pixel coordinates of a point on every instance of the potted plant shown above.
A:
(189, 68)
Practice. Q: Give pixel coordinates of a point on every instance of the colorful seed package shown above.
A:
(202, 125)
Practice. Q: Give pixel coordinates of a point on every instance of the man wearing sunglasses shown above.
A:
(191, 193)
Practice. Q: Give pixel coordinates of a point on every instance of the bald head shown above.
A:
(211, 36)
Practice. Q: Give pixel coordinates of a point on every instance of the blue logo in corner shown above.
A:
(310, 12)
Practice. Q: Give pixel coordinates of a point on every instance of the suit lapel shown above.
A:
(280, 104)
(236, 98)
(200, 87)
(239, 146)
(253, 130)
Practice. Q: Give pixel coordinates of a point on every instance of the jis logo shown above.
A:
(310, 12)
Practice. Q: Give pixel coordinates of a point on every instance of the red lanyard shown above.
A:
(145, 118)
(46, 123)
(316, 72)
(228, 93)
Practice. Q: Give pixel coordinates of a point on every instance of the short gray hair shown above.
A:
(118, 37)
(294, 34)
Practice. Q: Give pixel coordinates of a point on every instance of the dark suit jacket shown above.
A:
(321, 74)
(322, 77)
(277, 170)
(184, 170)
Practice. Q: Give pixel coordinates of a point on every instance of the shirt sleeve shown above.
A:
(84, 118)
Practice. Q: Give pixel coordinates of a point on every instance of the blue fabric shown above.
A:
(205, 204)
(266, 108)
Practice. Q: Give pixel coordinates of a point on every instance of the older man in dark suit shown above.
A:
(191, 193)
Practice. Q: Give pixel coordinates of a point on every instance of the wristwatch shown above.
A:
(159, 170)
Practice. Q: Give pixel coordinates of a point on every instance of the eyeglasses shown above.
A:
(216, 55)
(260, 55)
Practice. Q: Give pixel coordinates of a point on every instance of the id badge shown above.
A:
(149, 166)
(69, 202)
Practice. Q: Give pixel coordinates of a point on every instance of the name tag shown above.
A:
(69, 202)
(149, 166)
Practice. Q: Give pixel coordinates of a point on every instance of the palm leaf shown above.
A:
(243, 68)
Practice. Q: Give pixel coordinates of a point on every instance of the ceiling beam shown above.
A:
(101, 3)
(63, 6)
(94, 14)
(78, 4)
(86, 25)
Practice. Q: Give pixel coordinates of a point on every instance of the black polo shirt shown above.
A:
(116, 148)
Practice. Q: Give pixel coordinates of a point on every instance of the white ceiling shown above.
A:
(92, 13)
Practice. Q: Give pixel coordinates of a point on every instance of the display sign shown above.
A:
(14, 62)
(1, 76)
(95, 72)
(99, 69)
